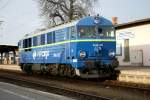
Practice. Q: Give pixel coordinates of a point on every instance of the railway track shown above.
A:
(20, 78)
(139, 87)
(80, 95)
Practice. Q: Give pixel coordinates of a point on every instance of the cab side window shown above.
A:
(54, 37)
(29, 42)
(34, 41)
(73, 32)
(25, 45)
(42, 39)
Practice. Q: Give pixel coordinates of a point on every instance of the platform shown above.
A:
(134, 74)
(10, 67)
(14, 92)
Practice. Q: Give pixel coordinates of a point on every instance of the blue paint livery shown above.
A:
(66, 45)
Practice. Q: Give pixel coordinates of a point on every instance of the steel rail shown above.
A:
(80, 95)
(129, 85)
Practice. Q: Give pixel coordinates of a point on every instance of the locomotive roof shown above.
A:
(89, 20)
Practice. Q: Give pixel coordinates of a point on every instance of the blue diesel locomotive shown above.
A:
(84, 48)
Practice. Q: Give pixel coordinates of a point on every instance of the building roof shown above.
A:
(133, 23)
(7, 48)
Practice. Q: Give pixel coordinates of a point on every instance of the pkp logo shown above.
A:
(34, 55)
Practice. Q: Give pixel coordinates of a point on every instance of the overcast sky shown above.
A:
(22, 16)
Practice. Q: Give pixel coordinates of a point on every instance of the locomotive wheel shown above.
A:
(61, 70)
(28, 69)
(22, 66)
(66, 71)
(73, 73)
(70, 72)
(44, 69)
(54, 69)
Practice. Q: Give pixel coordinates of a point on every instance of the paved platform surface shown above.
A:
(134, 74)
(13, 92)
(10, 67)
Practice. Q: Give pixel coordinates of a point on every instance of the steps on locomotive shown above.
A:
(134, 74)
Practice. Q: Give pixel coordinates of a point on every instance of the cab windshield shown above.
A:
(96, 32)
(87, 32)
(106, 32)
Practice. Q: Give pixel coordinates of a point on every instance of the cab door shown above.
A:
(70, 45)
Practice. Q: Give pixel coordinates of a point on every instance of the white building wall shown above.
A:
(139, 45)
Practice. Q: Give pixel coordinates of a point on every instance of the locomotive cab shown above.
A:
(95, 49)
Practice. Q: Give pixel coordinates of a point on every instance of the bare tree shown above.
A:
(58, 11)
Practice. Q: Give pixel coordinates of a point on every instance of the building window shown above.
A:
(126, 50)
(119, 49)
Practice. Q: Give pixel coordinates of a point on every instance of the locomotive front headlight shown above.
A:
(111, 53)
(97, 19)
(82, 54)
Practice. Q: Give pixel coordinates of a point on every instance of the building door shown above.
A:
(137, 57)
(126, 50)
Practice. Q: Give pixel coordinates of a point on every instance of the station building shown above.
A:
(8, 47)
(133, 43)
(8, 54)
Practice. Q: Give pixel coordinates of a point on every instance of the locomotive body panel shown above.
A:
(85, 47)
